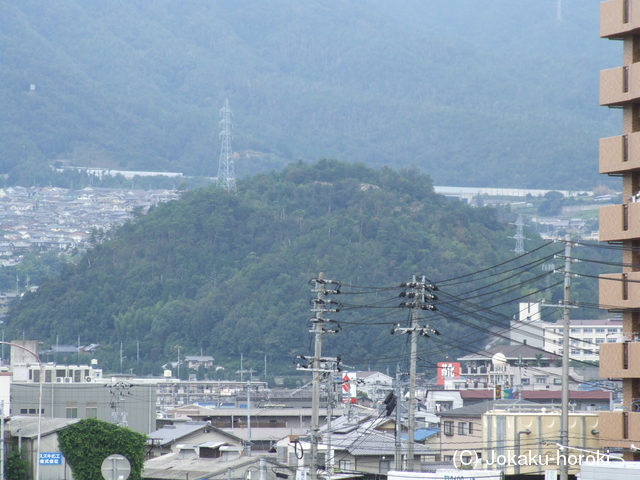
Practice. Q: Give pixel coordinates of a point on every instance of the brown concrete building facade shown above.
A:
(620, 156)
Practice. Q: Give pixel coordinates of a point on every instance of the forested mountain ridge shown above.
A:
(226, 274)
(491, 93)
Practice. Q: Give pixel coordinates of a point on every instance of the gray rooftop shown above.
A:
(477, 409)
(172, 467)
(171, 433)
(27, 426)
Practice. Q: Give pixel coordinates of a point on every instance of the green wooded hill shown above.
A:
(477, 93)
(228, 274)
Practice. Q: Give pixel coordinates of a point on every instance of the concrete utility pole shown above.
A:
(418, 301)
(315, 396)
(248, 419)
(398, 453)
(316, 365)
(330, 401)
(418, 291)
(564, 423)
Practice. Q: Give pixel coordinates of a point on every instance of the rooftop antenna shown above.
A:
(226, 174)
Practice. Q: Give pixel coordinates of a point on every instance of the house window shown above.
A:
(385, 466)
(345, 465)
(462, 428)
(91, 412)
(599, 340)
(557, 381)
(72, 409)
(600, 330)
(282, 454)
(587, 330)
(448, 458)
(525, 381)
(470, 428)
(448, 428)
(541, 380)
(30, 411)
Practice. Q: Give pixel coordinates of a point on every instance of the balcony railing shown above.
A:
(619, 429)
(620, 360)
(620, 222)
(617, 19)
(620, 85)
(620, 154)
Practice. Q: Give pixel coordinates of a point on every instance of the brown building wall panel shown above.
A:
(612, 19)
(615, 90)
(612, 362)
(619, 154)
(615, 426)
(611, 365)
(620, 222)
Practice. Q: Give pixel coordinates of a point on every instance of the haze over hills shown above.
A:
(226, 274)
(493, 93)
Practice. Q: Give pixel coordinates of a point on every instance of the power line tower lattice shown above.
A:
(226, 174)
(519, 237)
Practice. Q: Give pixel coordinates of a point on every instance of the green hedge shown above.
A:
(87, 443)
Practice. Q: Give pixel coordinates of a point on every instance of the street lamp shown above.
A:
(39, 403)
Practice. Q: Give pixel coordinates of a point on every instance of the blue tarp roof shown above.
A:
(423, 433)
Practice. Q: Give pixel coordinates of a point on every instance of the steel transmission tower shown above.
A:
(226, 174)
(519, 237)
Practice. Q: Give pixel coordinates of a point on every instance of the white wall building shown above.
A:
(585, 335)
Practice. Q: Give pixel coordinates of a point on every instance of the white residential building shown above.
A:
(585, 335)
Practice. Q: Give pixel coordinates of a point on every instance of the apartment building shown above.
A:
(620, 224)
(586, 336)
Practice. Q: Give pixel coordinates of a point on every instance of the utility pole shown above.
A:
(2, 417)
(119, 391)
(398, 453)
(330, 403)
(564, 422)
(249, 419)
(419, 293)
(418, 301)
(226, 174)
(316, 365)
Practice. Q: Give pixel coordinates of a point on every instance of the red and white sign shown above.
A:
(448, 371)
(349, 392)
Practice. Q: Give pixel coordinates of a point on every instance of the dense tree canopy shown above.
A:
(228, 274)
